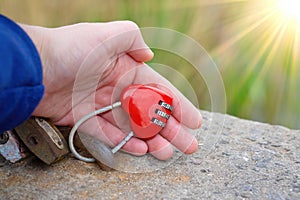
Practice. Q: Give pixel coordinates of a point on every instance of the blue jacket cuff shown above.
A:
(21, 87)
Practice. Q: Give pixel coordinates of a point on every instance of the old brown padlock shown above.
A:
(47, 141)
(43, 139)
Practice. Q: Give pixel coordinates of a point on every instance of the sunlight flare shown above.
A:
(289, 9)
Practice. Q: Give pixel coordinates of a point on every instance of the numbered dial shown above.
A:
(148, 107)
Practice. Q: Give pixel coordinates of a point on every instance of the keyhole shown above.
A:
(4, 138)
(32, 140)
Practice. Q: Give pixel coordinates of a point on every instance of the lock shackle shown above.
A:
(81, 121)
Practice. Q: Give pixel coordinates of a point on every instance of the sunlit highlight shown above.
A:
(290, 9)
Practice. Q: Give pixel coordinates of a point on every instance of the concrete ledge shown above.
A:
(237, 159)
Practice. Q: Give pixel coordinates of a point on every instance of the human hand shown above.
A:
(86, 66)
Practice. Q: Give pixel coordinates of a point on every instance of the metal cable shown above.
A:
(81, 121)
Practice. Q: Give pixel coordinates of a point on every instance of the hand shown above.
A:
(86, 66)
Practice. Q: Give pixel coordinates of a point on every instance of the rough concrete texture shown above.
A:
(237, 159)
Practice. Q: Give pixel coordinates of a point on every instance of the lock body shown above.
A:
(43, 139)
(11, 148)
(148, 107)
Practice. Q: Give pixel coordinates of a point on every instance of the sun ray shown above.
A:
(234, 39)
(270, 39)
(259, 64)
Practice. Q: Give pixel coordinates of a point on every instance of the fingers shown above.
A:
(173, 133)
(176, 134)
(111, 135)
(141, 55)
(184, 111)
(160, 147)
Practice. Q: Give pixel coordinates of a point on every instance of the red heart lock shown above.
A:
(149, 109)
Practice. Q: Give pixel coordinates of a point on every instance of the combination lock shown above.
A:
(148, 108)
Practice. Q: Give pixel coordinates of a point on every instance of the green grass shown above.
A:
(255, 51)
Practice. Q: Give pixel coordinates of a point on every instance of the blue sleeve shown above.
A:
(21, 86)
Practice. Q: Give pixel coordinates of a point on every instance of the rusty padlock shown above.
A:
(43, 139)
(11, 148)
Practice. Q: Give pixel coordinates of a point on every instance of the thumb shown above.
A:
(125, 37)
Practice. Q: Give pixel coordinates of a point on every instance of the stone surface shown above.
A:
(237, 159)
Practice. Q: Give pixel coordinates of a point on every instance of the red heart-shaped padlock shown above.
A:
(149, 109)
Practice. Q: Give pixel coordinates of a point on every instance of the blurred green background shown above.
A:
(254, 45)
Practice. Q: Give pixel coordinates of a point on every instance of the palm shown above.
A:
(121, 73)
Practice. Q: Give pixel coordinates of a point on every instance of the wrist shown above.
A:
(36, 34)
